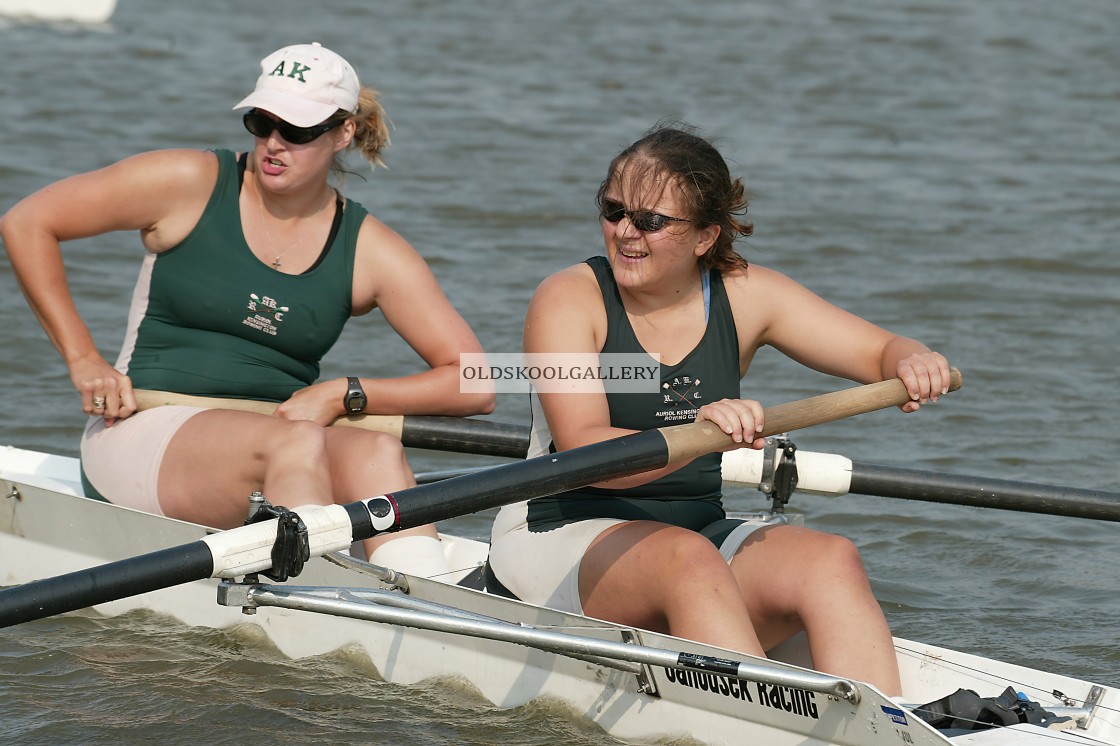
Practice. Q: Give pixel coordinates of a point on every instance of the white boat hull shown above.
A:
(46, 531)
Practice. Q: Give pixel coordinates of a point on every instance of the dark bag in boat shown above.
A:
(964, 709)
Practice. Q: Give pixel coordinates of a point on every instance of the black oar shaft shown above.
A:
(538, 477)
(96, 585)
(233, 553)
(421, 505)
(953, 489)
(630, 454)
(465, 435)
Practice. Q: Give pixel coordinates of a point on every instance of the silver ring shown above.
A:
(99, 402)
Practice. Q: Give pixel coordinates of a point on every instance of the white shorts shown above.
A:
(122, 462)
(542, 567)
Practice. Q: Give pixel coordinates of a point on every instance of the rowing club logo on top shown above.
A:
(265, 314)
(680, 398)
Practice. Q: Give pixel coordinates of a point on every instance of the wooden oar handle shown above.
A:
(454, 434)
(699, 438)
(148, 399)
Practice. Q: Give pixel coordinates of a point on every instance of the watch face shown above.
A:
(355, 397)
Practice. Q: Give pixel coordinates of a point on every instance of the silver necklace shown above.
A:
(276, 264)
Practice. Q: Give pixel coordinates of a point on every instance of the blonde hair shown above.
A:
(371, 133)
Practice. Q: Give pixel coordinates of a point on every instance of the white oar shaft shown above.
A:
(249, 548)
(817, 473)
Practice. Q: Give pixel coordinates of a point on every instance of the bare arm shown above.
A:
(161, 194)
(566, 315)
(391, 275)
(772, 309)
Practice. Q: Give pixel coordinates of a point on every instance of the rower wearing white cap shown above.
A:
(253, 264)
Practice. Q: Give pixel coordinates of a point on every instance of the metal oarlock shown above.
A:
(779, 479)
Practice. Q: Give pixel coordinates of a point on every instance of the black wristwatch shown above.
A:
(355, 400)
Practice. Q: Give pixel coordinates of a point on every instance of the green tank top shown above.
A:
(710, 372)
(209, 318)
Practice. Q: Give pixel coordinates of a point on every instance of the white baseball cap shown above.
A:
(304, 84)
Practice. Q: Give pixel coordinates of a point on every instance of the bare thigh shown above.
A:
(785, 571)
(647, 574)
(218, 457)
(122, 461)
(363, 464)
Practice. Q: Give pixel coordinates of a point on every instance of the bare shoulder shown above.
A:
(177, 186)
(161, 193)
(201, 164)
(760, 299)
(182, 158)
(572, 286)
(164, 182)
(753, 278)
(384, 253)
(566, 312)
(151, 175)
(179, 166)
(388, 267)
(761, 287)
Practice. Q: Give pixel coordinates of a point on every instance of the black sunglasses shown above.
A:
(262, 125)
(643, 220)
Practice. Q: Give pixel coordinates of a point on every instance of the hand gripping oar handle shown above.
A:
(696, 439)
(620, 457)
(456, 434)
(248, 549)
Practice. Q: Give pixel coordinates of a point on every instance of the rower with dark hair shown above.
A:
(656, 550)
